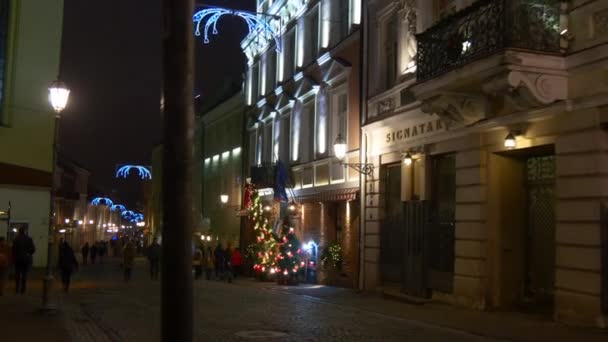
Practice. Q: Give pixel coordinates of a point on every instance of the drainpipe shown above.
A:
(363, 77)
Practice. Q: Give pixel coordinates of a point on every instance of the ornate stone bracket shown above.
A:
(457, 109)
(529, 89)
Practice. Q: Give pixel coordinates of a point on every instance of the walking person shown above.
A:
(209, 266)
(94, 251)
(101, 251)
(67, 264)
(23, 250)
(154, 259)
(128, 257)
(219, 261)
(85, 253)
(236, 261)
(5, 256)
(228, 264)
(197, 262)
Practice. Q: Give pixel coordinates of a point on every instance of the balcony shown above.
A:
(489, 59)
(485, 28)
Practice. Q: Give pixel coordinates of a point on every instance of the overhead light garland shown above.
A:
(257, 23)
(143, 172)
(102, 201)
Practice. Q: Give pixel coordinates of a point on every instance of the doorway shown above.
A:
(540, 231)
(391, 233)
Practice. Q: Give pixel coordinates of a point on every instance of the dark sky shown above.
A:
(111, 60)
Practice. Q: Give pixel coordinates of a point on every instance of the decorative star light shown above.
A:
(143, 171)
(257, 24)
(102, 201)
(120, 207)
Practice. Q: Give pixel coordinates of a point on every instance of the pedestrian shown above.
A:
(101, 251)
(23, 250)
(227, 264)
(67, 264)
(85, 253)
(5, 256)
(94, 251)
(236, 261)
(128, 257)
(197, 262)
(209, 266)
(219, 261)
(154, 258)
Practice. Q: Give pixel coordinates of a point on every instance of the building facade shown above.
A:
(304, 89)
(27, 68)
(491, 154)
(220, 134)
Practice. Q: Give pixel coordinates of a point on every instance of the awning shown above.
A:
(336, 195)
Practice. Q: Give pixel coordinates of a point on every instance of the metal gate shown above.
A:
(540, 235)
(416, 214)
(440, 231)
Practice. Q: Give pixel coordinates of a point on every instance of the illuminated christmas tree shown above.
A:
(288, 259)
(265, 245)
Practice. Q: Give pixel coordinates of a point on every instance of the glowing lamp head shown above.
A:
(58, 95)
(224, 198)
(91, 221)
(407, 160)
(340, 147)
(80, 222)
(510, 141)
(209, 238)
(267, 208)
(67, 221)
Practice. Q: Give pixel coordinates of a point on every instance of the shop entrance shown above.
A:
(540, 231)
(391, 232)
(440, 234)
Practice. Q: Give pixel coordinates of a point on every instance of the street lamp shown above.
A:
(58, 97)
(340, 152)
(224, 198)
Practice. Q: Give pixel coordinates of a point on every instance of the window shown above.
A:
(321, 123)
(255, 79)
(339, 105)
(390, 48)
(312, 35)
(267, 143)
(288, 55)
(258, 148)
(295, 135)
(271, 70)
(306, 132)
(4, 14)
(339, 21)
(284, 138)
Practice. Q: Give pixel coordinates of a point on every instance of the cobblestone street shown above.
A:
(115, 311)
(101, 307)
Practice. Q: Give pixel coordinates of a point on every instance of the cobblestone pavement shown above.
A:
(115, 311)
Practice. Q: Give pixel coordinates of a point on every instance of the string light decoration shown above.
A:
(127, 214)
(143, 172)
(117, 207)
(265, 248)
(288, 259)
(257, 23)
(102, 201)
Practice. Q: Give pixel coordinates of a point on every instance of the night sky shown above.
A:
(111, 60)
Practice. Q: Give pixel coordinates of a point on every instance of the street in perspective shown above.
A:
(304, 170)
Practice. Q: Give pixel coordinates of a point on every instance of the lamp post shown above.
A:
(58, 97)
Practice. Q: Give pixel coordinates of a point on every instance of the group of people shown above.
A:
(21, 256)
(226, 262)
(97, 249)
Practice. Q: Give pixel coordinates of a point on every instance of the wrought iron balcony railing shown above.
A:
(485, 28)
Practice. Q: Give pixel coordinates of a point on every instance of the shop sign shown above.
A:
(414, 131)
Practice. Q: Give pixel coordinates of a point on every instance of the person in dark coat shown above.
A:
(23, 250)
(85, 253)
(154, 259)
(94, 251)
(219, 261)
(67, 264)
(101, 251)
(228, 264)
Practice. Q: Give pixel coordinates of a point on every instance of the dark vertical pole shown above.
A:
(178, 150)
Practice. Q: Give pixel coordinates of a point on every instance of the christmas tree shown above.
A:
(288, 259)
(265, 245)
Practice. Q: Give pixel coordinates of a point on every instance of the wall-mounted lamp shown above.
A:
(340, 153)
(407, 159)
(224, 198)
(67, 221)
(510, 141)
